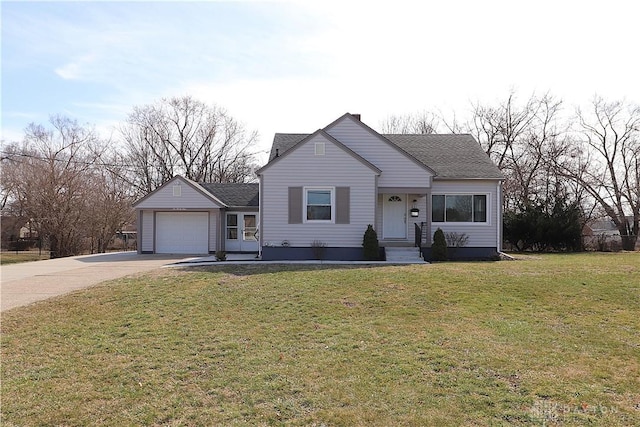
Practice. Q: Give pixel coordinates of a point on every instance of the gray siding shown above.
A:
(302, 168)
(397, 169)
(213, 230)
(481, 234)
(147, 231)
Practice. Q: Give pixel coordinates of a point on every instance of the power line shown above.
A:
(7, 155)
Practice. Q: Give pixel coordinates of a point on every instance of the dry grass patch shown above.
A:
(544, 341)
(17, 257)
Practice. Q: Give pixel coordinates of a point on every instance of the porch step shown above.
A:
(403, 255)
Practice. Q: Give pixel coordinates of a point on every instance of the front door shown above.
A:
(394, 216)
(240, 233)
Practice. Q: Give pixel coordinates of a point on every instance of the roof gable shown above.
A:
(163, 196)
(355, 119)
(284, 144)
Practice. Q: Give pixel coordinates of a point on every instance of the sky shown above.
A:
(295, 66)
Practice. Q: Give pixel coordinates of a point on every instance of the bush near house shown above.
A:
(370, 244)
(439, 246)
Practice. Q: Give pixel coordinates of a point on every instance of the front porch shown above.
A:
(402, 219)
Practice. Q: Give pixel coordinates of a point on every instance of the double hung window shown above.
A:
(319, 203)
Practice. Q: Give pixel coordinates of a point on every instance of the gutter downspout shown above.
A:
(260, 222)
(500, 218)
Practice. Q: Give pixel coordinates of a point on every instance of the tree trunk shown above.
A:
(628, 241)
(54, 247)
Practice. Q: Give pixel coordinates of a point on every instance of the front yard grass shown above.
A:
(550, 340)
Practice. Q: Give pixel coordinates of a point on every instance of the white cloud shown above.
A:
(78, 69)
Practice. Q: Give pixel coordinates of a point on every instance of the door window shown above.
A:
(249, 227)
(232, 226)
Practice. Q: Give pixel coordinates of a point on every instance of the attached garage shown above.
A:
(185, 217)
(182, 232)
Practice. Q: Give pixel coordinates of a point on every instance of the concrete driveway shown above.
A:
(25, 283)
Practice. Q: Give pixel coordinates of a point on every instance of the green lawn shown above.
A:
(548, 340)
(25, 256)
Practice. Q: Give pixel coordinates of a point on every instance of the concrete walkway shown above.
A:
(24, 283)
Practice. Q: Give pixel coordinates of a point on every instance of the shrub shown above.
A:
(542, 228)
(319, 249)
(439, 246)
(370, 244)
(454, 241)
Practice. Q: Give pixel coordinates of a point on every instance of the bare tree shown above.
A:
(185, 136)
(519, 137)
(603, 160)
(57, 180)
(110, 208)
(419, 123)
(48, 175)
(522, 138)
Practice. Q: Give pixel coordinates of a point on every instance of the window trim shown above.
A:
(305, 192)
(487, 221)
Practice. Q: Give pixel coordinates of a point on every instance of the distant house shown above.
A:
(325, 188)
(16, 228)
(602, 234)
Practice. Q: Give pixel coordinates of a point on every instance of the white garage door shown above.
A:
(182, 233)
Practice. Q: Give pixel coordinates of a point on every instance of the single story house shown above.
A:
(323, 189)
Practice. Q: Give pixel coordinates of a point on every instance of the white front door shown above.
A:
(240, 233)
(394, 216)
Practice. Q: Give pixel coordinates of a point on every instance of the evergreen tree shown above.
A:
(370, 244)
(439, 246)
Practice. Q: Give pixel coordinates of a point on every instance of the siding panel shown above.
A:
(147, 231)
(302, 167)
(213, 230)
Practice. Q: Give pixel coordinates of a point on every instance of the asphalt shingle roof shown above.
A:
(449, 155)
(234, 195)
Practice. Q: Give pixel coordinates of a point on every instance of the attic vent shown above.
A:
(177, 190)
(319, 148)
